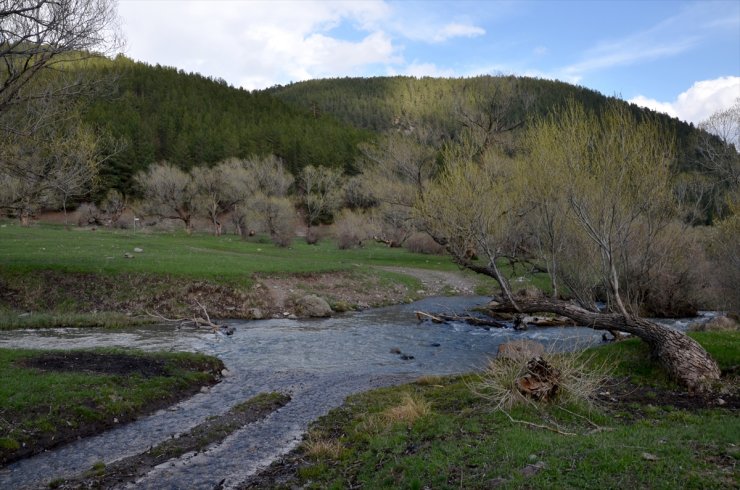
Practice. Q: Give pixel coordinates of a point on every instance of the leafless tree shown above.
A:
(168, 192)
(321, 194)
(46, 153)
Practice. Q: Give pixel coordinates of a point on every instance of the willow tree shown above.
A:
(596, 179)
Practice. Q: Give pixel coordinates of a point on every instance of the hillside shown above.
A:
(161, 113)
(384, 103)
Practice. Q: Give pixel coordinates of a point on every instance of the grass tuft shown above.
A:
(411, 408)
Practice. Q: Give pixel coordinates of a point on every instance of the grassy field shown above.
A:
(226, 259)
(437, 434)
(49, 397)
(82, 277)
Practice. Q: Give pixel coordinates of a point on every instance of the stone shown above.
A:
(314, 306)
(128, 256)
(138, 250)
(520, 349)
(255, 314)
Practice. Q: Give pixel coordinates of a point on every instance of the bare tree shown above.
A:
(220, 189)
(321, 194)
(719, 148)
(397, 171)
(37, 36)
(261, 186)
(168, 192)
(47, 174)
(46, 156)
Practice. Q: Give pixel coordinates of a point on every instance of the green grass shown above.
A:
(39, 407)
(463, 443)
(225, 259)
(11, 320)
(632, 357)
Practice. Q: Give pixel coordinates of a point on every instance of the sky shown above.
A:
(678, 57)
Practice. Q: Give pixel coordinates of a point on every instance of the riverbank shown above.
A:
(641, 431)
(51, 276)
(49, 398)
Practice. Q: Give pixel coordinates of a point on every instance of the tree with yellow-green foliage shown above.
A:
(589, 185)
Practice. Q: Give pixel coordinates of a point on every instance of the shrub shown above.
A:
(422, 243)
(351, 229)
(88, 214)
(578, 381)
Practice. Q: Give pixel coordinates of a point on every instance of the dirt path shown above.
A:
(438, 283)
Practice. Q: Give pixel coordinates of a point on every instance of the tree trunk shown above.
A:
(681, 356)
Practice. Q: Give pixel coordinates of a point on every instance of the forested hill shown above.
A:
(441, 104)
(161, 113)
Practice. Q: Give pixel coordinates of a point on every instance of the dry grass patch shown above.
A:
(429, 381)
(323, 448)
(579, 379)
(412, 407)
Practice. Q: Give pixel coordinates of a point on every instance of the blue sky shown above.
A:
(679, 57)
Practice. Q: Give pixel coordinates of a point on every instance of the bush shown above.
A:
(351, 229)
(666, 277)
(422, 243)
(578, 381)
(88, 214)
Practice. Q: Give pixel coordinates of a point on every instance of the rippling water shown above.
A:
(319, 362)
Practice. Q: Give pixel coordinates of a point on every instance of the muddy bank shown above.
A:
(49, 424)
(137, 295)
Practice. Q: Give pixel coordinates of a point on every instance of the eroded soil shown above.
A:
(143, 295)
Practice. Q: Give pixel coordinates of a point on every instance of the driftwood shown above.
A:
(472, 320)
(196, 321)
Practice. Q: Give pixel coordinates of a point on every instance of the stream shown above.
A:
(319, 362)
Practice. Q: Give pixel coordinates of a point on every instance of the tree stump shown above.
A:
(541, 382)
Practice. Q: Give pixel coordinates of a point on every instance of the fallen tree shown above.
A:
(680, 355)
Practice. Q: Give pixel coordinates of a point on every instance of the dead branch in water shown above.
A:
(195, 321)
(472, 320)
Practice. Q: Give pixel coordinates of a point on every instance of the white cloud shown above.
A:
(700, 101)
(257, 44)
(457, 30)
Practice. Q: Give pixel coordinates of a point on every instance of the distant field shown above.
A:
(225, 259)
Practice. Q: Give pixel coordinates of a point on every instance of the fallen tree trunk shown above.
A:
(471, 320)
(682, 357)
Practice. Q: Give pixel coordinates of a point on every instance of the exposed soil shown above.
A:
(139, 295)
(210, 432)
(343, 290)
(438, 283)
(100, 363)
(619, 394)
(93, 362)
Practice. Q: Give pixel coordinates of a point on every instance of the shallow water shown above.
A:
(319, 362)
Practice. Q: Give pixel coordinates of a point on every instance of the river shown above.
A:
(319, 362)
